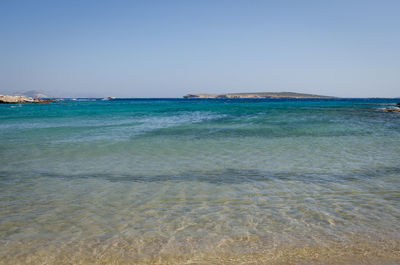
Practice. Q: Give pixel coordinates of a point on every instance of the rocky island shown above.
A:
(6, 99)
(256, 95)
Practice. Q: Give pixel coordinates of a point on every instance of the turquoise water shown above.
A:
(168, 181)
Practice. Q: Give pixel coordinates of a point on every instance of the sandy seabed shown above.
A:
(237, 251)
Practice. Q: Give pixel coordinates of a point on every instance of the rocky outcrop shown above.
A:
(392, 109)
(396, 108)
(256, 95)
(5, 99)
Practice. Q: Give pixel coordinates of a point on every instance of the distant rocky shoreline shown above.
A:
(6, 99)
(256, 95)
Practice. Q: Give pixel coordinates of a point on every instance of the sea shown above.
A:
(200, 181)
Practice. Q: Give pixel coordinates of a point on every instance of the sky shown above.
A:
(172, 48)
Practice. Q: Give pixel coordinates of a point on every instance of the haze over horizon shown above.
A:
(172, 48)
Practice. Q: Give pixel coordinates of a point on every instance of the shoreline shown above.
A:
(6, 99)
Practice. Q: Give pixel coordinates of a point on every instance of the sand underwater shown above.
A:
(174, 181)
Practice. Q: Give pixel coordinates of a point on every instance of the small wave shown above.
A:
(122, 130)
(151, 123)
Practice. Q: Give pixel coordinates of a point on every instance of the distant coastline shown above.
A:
(7, 99)
(257, 95)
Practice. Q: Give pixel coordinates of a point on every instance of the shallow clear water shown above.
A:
(200, 182)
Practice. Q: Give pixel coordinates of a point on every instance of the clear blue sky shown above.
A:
(170, 48)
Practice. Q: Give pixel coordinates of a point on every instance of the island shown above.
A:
(256, 95)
